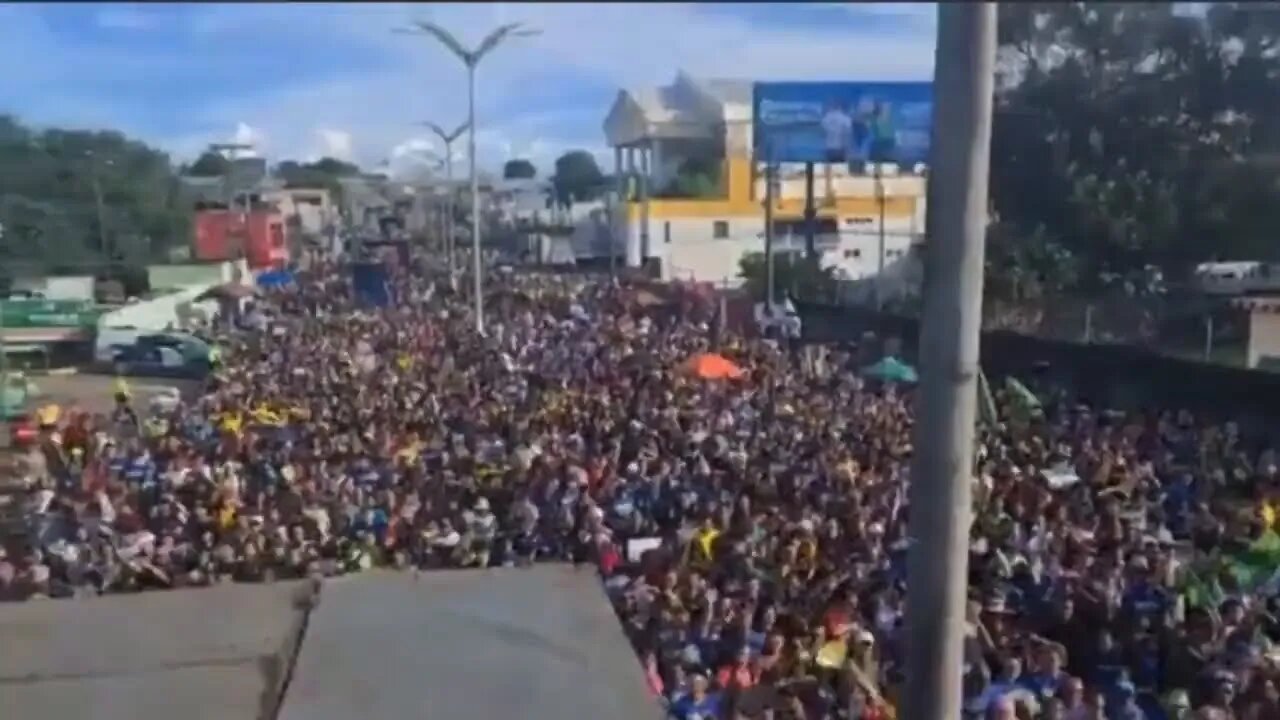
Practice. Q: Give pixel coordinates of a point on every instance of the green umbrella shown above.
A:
(1024, 403)
(891, 369)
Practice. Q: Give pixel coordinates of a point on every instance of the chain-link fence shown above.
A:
(1185, 325)
(1191, 327)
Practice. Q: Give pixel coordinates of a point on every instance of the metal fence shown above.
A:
(1182, 325)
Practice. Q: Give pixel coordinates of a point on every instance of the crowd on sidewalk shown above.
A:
(750, 530)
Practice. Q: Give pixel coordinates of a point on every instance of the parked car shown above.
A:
(15, 399)
(15, 394)
(175, 355)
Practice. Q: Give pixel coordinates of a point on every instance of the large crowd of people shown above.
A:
(751, 531)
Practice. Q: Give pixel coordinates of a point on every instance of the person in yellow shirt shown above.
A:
(703, 545)
(264, 415)
(231, 422)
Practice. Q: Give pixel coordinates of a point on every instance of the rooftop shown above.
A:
(688, 107)
(538, 643)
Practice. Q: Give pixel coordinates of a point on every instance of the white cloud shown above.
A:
(336, 144)
(246, 134)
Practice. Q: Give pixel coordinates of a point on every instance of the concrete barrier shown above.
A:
(203, 654)
(538, 643)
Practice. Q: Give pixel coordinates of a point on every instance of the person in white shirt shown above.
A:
(837, 131)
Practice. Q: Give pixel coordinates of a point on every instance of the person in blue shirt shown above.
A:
(699, 703)
(1178, 497)
(1046, 676)
(1144, 598)
(1123, 703)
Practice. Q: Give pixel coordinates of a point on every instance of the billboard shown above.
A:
(40, 313)
(843, 122)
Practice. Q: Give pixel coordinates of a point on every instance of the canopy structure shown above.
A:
(226, 291)
(275, 278)
(891, 369)
(710, 366)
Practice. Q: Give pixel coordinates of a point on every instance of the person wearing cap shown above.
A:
(1177, 704)
(699, 703)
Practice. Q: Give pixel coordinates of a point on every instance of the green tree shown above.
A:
(209, 164)
(519, 169)
(695, 178)
(324, 173)
(75, 200)
(1131, 136)
(578, 178)
(801, 277)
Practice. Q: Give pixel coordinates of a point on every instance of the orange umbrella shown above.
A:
(711, 366)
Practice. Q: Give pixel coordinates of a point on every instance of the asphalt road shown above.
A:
(95, 393)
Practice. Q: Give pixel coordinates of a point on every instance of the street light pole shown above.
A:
(472, 58)
(942, 467)
(477, 263)
(447, 139)
(879, 283)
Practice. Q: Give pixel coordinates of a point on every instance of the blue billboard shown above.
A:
(843, 122)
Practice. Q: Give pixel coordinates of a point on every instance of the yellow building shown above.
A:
(700, 229)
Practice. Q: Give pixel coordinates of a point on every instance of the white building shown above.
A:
(311, 208)
(693, 197)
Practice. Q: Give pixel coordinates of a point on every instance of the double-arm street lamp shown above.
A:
(471, 58)
(448, 138)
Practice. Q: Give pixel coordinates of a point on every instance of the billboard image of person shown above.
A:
(837, 132)
(881, 141)
(854, 123)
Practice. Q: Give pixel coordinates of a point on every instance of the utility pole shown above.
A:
(878, 286)
(941, 472)
(769, 266)
(810, 215)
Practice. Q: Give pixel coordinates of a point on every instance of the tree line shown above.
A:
(1131, 142)
(1131, 138)
(577, 177)
(97, 202)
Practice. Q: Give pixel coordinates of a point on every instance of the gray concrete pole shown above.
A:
(618, 211)
(879, 283)
(810, 215)
(634, 259)
(477, 262)
(769, 267)
(645, 169)
(449, 215)
(941, 472)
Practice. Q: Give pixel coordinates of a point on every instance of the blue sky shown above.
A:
(303, 80)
